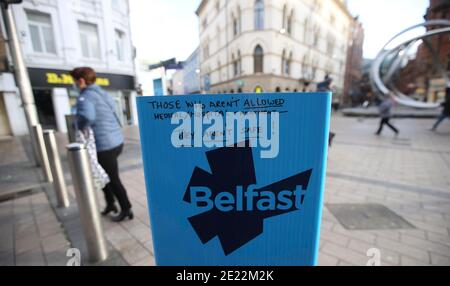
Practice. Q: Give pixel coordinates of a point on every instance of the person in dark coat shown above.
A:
(95, 109)
(325, 86)
(446, 111)
(385, 108)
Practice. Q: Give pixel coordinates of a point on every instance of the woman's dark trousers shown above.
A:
(115, 188)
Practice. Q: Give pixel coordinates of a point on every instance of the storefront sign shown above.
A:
(235, 180)
(45, 78)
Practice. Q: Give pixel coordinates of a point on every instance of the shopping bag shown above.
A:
(99, 175)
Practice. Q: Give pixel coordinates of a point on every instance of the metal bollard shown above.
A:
(37, 134)
(80, 169)
(59, 183)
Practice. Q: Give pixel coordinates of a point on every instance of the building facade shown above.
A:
(176, 82)
(272, 45)
(191, 73)
(151, 81)
(59, 35)
(423, 76)
(429, 73)
(352, 94)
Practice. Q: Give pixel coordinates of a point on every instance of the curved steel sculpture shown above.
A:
(383, 85)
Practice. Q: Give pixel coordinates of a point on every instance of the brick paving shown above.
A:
(408, 175)
(30, 234)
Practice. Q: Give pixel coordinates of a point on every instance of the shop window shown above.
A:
(41, 33)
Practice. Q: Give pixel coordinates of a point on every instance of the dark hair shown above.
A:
(86, 73)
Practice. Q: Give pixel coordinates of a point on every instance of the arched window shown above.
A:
(278, 89)
(232, 91)
(259, 89)
(239, 21)
(239, 90)
(306, 31)
(287, 68)
(258, 59)
(286, 63)
(218, 36)
(283, 24)
(235, 65)
(289, 23)
(235, 25)
(239, 62)
(316, 37)
(305, 65)
(259, 15)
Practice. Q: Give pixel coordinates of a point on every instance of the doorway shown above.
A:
(5, 129)
(45, 109)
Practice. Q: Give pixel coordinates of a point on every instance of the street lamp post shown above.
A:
(20, 71)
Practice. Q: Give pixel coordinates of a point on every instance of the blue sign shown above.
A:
(235, 179)
(158, 86)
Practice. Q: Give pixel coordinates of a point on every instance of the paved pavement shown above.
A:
(17, 172)
(407, 175)
(398, 111)
(30, 234)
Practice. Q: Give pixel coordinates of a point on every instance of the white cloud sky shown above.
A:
(382, 19)
(163, 29)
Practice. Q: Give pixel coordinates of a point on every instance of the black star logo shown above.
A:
(232, 167)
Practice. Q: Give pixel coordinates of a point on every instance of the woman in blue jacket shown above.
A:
(95, 109)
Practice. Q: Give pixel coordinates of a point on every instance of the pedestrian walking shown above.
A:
(324, 87)
(385, 109)
(446, 111)
(95, 109)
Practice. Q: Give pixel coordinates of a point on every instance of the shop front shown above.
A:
(55, 95)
